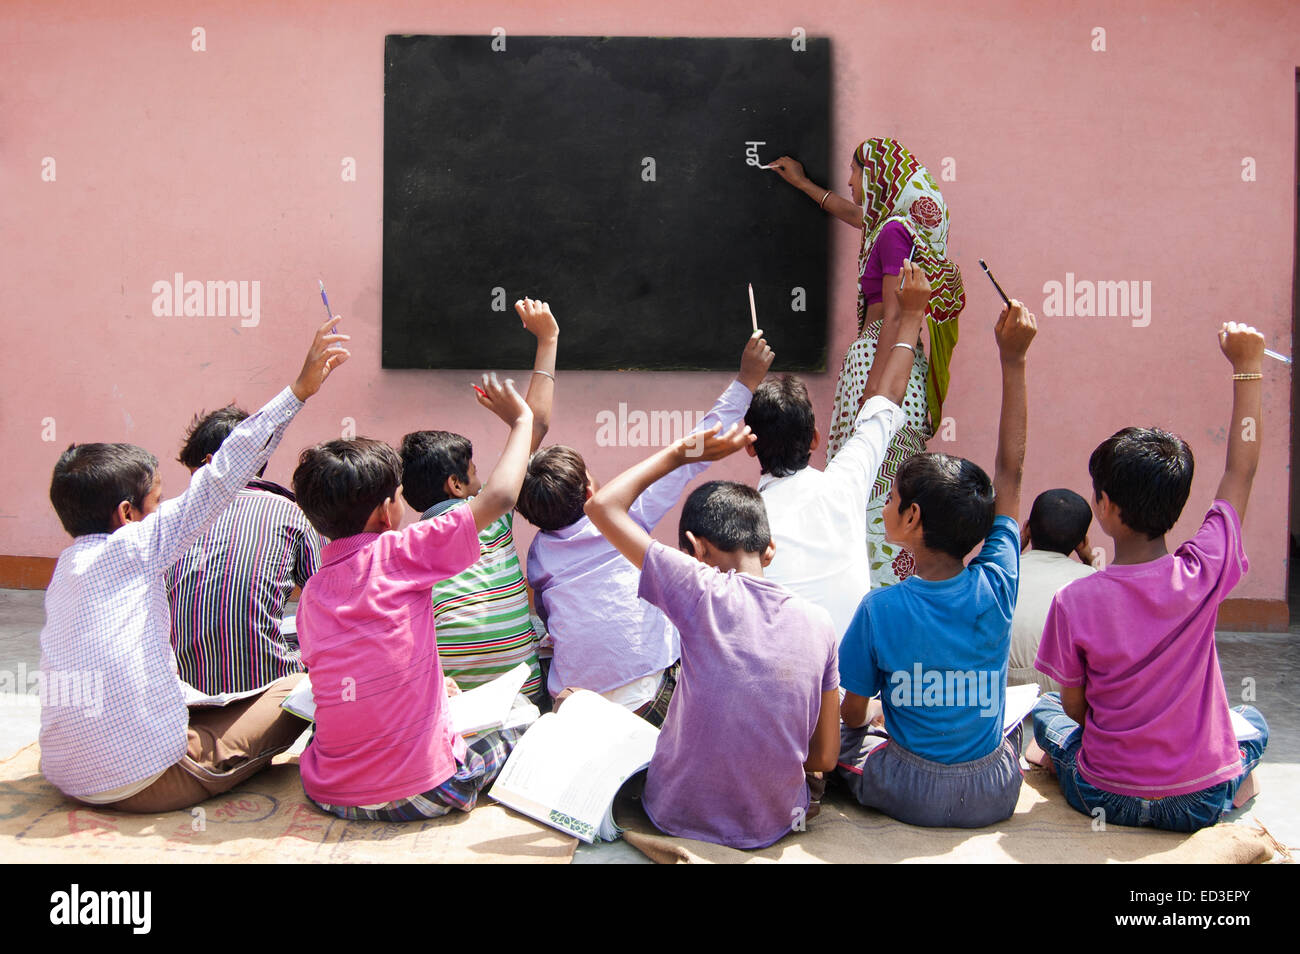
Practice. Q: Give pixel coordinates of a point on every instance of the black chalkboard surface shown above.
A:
(609, 177)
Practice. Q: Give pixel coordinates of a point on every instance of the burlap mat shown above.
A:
(1044, 829)
(267, 819)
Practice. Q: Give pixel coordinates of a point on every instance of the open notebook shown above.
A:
(569, 766)
(492, 705)
(1019, 702)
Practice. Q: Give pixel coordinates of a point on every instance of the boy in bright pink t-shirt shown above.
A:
(383, 748)
(1141, 730)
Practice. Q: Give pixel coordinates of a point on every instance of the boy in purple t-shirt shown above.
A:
(756, 705)
(603, 637)
(1141, 729)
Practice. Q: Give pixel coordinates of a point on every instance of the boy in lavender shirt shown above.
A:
(606, 639)
(756, 707)
(1141, 729)
(136, 746)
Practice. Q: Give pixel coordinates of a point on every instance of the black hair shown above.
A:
(955, 497)
(428, 459)
(206, 434)
(729, 515)
(554, 489)
(1059, 520)
(1147, 473)
(90, 480)
(340, 483)
(781, 417)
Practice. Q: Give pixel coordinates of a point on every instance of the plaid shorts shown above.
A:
(656, 710)
(484, 758)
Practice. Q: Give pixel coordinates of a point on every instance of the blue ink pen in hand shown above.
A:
(328, 311)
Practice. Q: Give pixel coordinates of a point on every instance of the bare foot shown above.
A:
(1035, 755)
(1247, 790)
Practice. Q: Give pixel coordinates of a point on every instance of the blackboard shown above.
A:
(517, 166)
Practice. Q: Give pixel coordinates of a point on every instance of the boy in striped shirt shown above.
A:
(481, 615)
(229, 590)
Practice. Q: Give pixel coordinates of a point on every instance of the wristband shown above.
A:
(1248, 376)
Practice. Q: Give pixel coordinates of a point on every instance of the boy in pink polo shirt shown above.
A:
(383, 748)
(1141, 730)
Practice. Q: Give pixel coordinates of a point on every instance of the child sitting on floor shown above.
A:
(757, 704)
(228, 591)
(935, 646)
(1057, 526)
(135, 746)
(819, 517)
(606, 639)
(1141, 730)
(481, 614)
(383, 748)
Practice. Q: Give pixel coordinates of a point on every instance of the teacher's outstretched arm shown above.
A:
(846, 210)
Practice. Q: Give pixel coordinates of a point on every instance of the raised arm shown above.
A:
(846, 210)
(608, 507)
(1243, 346)
(905, 298)
(1015, 329)
(501, 489)
(729, 409)
(171, 529)
(537, 318)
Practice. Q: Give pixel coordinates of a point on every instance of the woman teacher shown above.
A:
(898, 207)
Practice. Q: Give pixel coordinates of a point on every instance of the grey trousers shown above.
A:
(885, 776)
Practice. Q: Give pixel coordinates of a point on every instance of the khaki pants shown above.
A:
(227, 745)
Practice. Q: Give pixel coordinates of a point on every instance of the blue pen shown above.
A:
(325, 298)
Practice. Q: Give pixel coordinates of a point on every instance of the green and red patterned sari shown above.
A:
(897, 188)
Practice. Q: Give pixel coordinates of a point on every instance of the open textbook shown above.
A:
(1019, 702)
(569, 766)
(493, 705)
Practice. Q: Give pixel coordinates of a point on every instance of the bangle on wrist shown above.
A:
(822, 204)
(547, 373)
(904, 344)
(1247, 375)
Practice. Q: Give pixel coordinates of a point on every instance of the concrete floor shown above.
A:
(1266, 665)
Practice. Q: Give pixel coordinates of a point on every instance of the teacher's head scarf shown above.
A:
(897, 188)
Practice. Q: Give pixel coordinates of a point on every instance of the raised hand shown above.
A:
(325, 354)
(913, 288)
(1243, 346)
(503, 400)
(1014, 331)
(711, 445)
(755, 360)
(537, 318)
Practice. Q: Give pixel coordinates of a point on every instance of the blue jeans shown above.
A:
(1060, 737)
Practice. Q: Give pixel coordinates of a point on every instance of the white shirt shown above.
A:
(819, 518)
(1042, 574)
(118, 717)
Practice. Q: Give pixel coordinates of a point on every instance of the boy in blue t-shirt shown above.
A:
(936, 645)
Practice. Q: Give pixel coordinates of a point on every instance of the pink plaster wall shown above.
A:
(225, 164)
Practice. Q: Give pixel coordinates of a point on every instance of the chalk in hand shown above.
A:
(753, 312)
